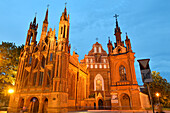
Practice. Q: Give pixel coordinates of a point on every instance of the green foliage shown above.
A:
(9, 58)
(161, 86)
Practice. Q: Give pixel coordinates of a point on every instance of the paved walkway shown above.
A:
(116, 111)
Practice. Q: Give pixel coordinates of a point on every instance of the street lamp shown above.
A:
(159, 105)
(157, 94)
(10, 91)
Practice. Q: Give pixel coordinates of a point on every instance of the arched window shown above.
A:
(26, 78)
(51, 56)
(64, 31)
(119, 51)
(87, 60)
(104, 60)
(35, 78)
(95, 50)
(35, 62)
(61, 30)
(44, 28)
(100, 66)
(98, 83)
(41, 78)
(91, 60)
(99, 49)
(43, 62)
(30, 60)
(49, 77)
(122, 73)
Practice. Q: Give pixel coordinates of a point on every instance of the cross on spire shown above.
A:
(116, 19)
(116, 16)
(35, 14)
(97, 39)
(48, 6)
(65, 4)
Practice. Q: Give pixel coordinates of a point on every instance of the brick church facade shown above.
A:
(50, 79)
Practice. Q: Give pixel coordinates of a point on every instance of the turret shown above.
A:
(32, 33)
(51, 39)
(44, 27)
(128, 44)
(63, 33)
(110, 46)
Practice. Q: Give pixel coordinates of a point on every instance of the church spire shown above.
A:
(65, 10)
(118, 33)
(63, 34)
(46, 16)
(117, 26)
(126, 36)
(44, 27)
(32, 33)
(34, 22)
(64, 16)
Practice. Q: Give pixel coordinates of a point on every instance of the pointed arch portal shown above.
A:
(34, 105)
(125, 101)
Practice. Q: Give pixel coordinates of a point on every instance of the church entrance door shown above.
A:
(45, 106)
(34, 105)
(100, 104)
(125, 101)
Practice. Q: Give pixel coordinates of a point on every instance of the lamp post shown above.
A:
(146, 76)
(9, 93)
(158, 95)
(159, 105)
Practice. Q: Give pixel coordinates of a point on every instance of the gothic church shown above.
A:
(50, 79)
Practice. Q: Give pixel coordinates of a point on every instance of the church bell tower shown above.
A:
(124, 85)
(63, 33)
(61, 71)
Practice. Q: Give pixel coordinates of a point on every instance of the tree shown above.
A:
(9, 58)
(161, 86)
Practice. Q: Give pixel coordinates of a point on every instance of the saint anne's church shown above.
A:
(50, 79)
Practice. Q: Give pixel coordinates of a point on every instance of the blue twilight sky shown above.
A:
(147, 23)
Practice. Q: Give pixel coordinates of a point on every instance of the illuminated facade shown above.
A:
(50, 79)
